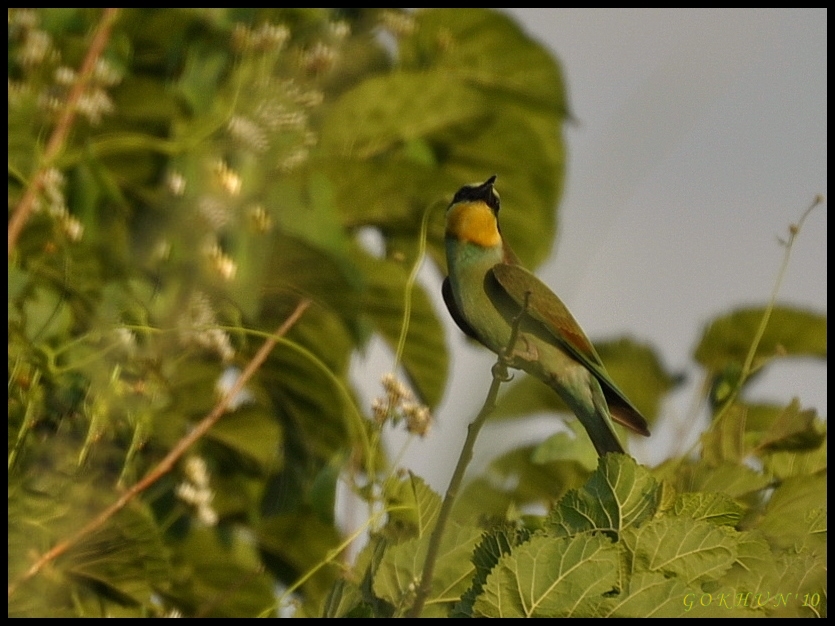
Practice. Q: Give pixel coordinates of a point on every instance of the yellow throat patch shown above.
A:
(473, 222)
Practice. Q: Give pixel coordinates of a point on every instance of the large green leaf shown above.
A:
(298, 269)
(738, 481)
(794, 510)
(693, 550)
(252, 432)
(790, 332)
(220, 576)
(414, 506)
(529, 176)
(716, 508)
(620, 494)
(566, 577)
(122, 563)
(520, 478)
(403, 564)
(493, 545)
(383, 112)
(486, 48)
(293, 543)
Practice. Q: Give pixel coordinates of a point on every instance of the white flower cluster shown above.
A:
(52, 187)
(265, 38)
(197, 327)
(399, 404)
(196, 492)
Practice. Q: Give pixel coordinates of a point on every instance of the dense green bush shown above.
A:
(184, 182)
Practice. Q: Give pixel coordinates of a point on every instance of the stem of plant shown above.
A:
(747, 367)
(500, 376)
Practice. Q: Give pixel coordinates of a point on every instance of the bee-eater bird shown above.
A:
(485, 291)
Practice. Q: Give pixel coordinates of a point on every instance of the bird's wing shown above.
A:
(446, 292)
(545, 307)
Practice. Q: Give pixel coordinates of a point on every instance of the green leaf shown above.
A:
(637, 369)
(304, 207)
(737, 481)
(755, 568)
(651, 594)
(493, 545)
(46, 314)
(125, 557)
(565, 447)
(516, 480)
(252, 432)
(793, 429)
(803, 584)
(694, 550)
(294, 542)
(345, 600)
(402, 566)
(526, 396)
(322, 494)
(211, 566)
(486, 48)
(383, 112)
(566, 577)
(314, 400)
(298, 269)
(529, 195)
(619, 495)
(389, 193)
(412, 504)
(784, 464)
(791, 514)
(790, 332)
(523, 112)
(716, 508)
(147, 100)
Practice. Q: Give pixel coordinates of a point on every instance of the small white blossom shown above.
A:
(228, 178)
(94, 103)
(248, 133)
(260, 218)
(214, 211)
(399, 404)
(64, 75)
(35, 48)
(397, 23)
(176, 183)
(195, 490)
(319, 58)
(197, 327)
(340, 30)
(72, 227)
(105, 74)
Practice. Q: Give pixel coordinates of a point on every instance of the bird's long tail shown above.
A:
(595, 418)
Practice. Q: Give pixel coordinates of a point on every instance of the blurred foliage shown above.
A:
(222, 165)
(225, 164)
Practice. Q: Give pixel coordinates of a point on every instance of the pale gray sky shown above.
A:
(700, 136)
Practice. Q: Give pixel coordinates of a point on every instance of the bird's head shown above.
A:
(473, 215)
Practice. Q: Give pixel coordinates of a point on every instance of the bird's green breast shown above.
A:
(468, 267)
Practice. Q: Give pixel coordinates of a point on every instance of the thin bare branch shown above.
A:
(62, 128)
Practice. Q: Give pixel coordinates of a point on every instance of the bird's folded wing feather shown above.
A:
(545, 307)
